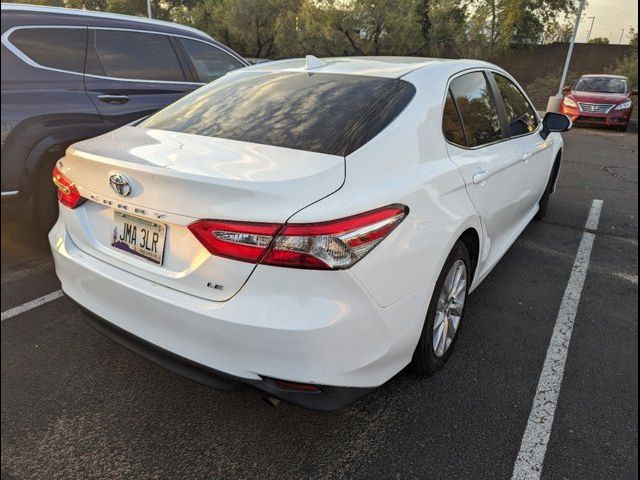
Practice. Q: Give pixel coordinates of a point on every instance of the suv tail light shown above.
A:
(332, 245)
(68, 194)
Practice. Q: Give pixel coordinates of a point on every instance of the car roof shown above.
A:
(74, 12)
(390, 67)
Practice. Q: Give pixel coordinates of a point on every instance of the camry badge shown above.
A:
(120, 184)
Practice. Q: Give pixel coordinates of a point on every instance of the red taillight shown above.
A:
(68, 194)
(237, 240)
(336, 244)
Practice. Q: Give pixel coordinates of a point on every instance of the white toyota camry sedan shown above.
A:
(306, 227)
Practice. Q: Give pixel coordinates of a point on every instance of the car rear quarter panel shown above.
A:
(407, 163)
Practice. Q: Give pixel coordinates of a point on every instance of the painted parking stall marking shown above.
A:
(25, 307)
(533, 448)
(594, 215)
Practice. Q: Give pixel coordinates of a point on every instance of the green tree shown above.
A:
(448, 36)
(288, 28)
(628, 65)
(165, 10)
(599, 41)
(389, 27)
(381, 27)
(500, 23)
(252, 27)
(633, 39)
(50, 3)
(556, 31)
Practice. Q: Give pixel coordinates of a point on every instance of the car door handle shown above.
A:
(113, 98)
(526, 156)
(481, 176)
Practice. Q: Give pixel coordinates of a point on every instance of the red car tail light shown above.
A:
(68, 194)
(332, 245)
(336, 244)
(243, 241)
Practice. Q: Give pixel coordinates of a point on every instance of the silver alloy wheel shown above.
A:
(450, 307)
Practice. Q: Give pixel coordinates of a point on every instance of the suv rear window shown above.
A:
(61, 48)
(317, 112)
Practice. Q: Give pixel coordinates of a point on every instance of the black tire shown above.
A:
(543, 204)
(424, 358)
(623, 128)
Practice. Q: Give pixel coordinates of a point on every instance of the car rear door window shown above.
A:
(317, 112)
(210, 62)
(521, 116)
(59, 48)
(451, 125)
(133, 55)
(477, 109)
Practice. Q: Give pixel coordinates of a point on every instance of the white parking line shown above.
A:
(627, 277)
(594, 215)
(25, 307)
(536, 435)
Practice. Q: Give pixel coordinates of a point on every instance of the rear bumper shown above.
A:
(615, 118)
(327, 398)
(309, 327)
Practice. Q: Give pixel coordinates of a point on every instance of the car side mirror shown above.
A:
(555, 122)
(566, 89)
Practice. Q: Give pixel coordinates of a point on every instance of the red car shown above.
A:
(599, 100)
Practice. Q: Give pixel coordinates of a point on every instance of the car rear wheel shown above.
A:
(543, 204)
(445, 314)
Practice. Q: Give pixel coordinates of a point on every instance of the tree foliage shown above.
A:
(498, 24)
(628, 65)
(285, 28)
(556, 31)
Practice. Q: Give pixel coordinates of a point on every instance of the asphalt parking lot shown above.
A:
(77, 405)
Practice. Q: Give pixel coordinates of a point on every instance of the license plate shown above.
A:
(139, 236)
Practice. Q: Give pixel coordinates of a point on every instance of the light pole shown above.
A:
(149, 9)
(593, 19)
(621, 35)
(553, 105)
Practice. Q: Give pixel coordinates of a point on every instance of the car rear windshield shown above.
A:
(317, 112)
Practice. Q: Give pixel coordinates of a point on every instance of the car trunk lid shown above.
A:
(176, 179)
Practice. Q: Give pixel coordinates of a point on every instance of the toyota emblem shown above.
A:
(120, 184)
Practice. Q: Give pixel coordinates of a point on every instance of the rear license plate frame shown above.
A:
(137, 236)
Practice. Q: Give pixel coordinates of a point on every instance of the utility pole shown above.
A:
(149, 9)
(553, 105)
(621, 35)
(593, 19)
